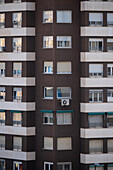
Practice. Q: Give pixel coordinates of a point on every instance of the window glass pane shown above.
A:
(17, 69)
(48, 118)
(48, 67)
(17, 166)
(63, 67)
(2, 1)
(110, 95)
(64, 16)
(2, 93)
(64, 143)
(16, 1)
(64, 118)
(96, 19)
(95, 44)
(63, 92)
(48, 143)
(2, 118)
(2, 44)
(110, 19)
(2, 164)
(47, 16)
(2, 20)
(2, 69)
(2, 142)
(17, 94)
(17, 143)
(95, 70)
(109, 44)
(17, 119)
(17, 19)
(48, 92)
(48, 42)
(95, 121)
(110, 145)
(64, 41)
(17, 44)
(95, 146)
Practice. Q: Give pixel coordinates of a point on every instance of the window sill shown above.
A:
(51, 124)
(47, 98)
(47, 73)
(63, 73)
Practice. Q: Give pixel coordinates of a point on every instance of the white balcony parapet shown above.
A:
(96, 158)
(96, 82)
(20, 56)
(21, 106)
(16, 130)
(23, 31)
(9, 154)
(96, 133)
(96, 107)
(97, 31)
(17, 81)
(96, 6)
(96, 56)
(22, 6)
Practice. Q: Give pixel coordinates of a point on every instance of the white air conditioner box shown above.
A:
(64, 102)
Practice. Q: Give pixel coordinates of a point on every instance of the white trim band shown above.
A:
(17, 81)
(96, 82)
(96, 6)
(96, 57)
(96, 158)
(96, 107)
(21, 106)
(97, 31)
(26, 156)
(96, 133)
(24, 31)
(22, 56)
(14, 130)
(22, 6)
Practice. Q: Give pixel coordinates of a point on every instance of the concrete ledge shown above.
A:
(25, 156)
(22, 6)
(14, 130)
(21, 106)
(96, 82)
(17, 81)
(96, 6)
(96, 57)
(96, 133)
(24, 31)
(96, 158)
(97, 31)
(96, 107)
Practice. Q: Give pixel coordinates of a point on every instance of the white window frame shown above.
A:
(18, 98)
(17, 147)
(50, 116)
(64, 117)
(96, 73)
(16, 1)
(16, 72)
(97, 92)
(49, 163)
(95, 21)
(47, 67)
(110, 96)
(64, 62)
(19, 163)
(48, 40)
(17, 122)
(64, 11)
(45, 93)
(65, 163)
(64, 97)
(16, 47)
(49, 16)
(62, 40)
(96, 41)
(16, 22)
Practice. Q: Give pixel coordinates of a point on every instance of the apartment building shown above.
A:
(56, 85)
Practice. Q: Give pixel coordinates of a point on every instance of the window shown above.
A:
(100, 167)
(2, 142)
(63, 67)
(48, 92)
(110, 145)
(64, 16)
(2, 118)
(95, 146)
(95, 121)
(17, 20)
(109, 121)
(64, 143)
(17, 94)
(95, 19)
(2, 20)
(109, 45)
(48, 42)
(17, 165)
(95, 44)
(95, 70)
(17, 69)
(17, 143)
(47, 16)
(110, 19)
(16, 1)
(48, 143)
(17, 119)
(64, 118)
(2, 164)
(2, 93)
(64, 42)
(48, 67)
(110, 95)
(48, 166)
(2, 1)
(63, 92)
(110, 70)
(64, 166)
(17, 44)
(48, 118)
(95, 95)
(110, 167)
(2, 69)
(2, 44)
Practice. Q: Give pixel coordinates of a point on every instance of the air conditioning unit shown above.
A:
(64, 102)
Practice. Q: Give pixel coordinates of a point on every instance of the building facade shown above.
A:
(56, 85)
